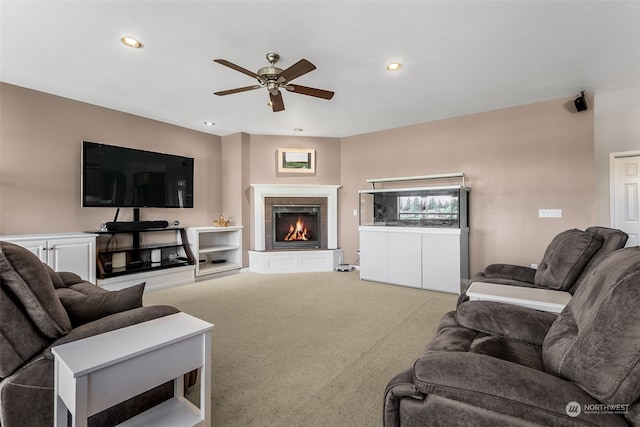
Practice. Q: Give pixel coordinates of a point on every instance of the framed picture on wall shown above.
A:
(296, 160)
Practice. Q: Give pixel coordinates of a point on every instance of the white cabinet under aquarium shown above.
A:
(415, 237)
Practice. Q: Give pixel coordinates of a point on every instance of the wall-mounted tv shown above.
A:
(119, 177)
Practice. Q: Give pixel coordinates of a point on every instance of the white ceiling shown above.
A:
(460, 57)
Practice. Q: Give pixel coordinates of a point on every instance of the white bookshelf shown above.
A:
(216, 249)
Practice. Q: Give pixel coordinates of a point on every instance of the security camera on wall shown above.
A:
(580, 102)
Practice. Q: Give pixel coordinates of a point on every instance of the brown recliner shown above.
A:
(495, 364)
(39, 309)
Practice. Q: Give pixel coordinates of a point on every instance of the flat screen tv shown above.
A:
(119, 177)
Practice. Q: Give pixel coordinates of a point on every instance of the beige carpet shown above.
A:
(306, 349)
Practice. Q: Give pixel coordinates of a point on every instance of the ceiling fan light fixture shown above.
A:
(273, 88)
(131, 42)
(394, 66)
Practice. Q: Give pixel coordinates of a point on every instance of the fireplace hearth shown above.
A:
(296, 226)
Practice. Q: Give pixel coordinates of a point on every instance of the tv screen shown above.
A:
(128, 178)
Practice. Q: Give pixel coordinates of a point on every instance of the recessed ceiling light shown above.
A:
(394, 66)
(297, 129)
(209, 123)
(131, 42)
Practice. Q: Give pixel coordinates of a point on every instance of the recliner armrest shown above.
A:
(505, 320)
(527, 393)
(62, 279)
(86, 302)
(399, 387)
(512, 272)
(69, 278)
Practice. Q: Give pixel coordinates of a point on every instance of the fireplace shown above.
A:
(293, 223)
(265, 258)
(296, 226)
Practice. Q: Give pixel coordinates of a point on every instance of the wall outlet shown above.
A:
(549, 213)
(355, 212)
(534, 266)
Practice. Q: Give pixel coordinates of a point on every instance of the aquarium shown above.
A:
(439, 207)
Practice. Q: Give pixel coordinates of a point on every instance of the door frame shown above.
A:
(612, 180)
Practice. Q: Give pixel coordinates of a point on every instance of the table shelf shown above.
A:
(216, 249)
(218, 268)
(171, 413)
(550, 300)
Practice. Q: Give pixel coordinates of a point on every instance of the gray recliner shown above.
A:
(566, 261)
(495, 364)
(40, 309)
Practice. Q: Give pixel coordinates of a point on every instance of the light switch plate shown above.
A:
(549, 213)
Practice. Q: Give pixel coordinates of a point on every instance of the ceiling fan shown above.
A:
(274, 78)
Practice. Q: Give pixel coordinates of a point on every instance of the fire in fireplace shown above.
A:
(298, 231)
(296, 226)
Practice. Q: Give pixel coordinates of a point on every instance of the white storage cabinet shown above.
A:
(74, 252)
(435, 259)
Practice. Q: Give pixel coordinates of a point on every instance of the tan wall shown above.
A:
(231, 176)
(617, 130)
(516, 161)
(263, 164)
(235, 183)
(40, 145)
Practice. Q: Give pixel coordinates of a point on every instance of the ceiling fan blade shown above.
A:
(237, 68)
(240, 89)
(276, 102)
(311, 91)
(296, 70)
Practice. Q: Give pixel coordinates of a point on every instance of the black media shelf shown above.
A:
(142, 267)
(141, 248)
(136, 258)
(137, 230)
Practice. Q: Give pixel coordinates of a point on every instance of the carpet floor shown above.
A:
(306, 349)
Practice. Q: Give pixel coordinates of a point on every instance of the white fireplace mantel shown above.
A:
(261, 191)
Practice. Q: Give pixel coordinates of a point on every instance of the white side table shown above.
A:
(538, 299)
(99, 372)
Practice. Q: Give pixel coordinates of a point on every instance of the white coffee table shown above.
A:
(538, 299)
(101, 371)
